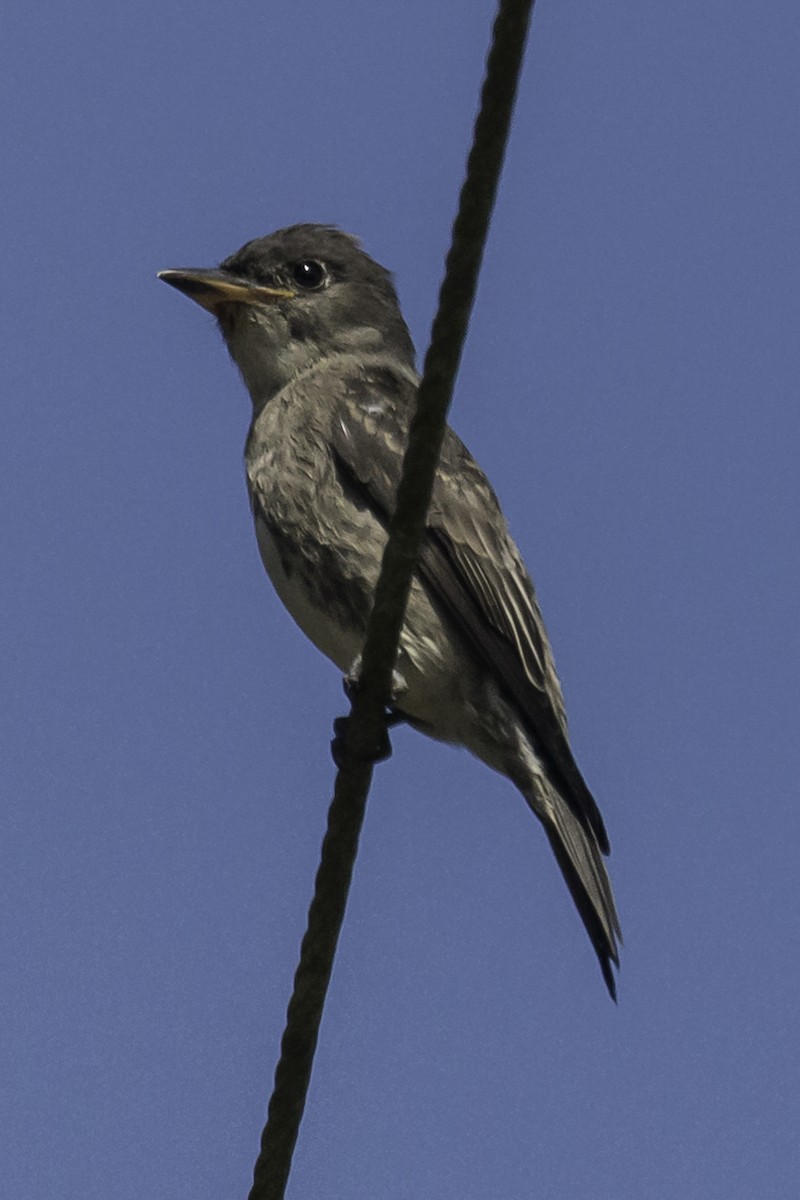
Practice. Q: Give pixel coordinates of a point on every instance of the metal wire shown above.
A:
(366, 727)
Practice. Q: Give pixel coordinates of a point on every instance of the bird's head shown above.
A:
(287, 301)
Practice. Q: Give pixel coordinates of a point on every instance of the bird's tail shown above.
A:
(578, 855)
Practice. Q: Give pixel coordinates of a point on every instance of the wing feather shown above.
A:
(470, 565)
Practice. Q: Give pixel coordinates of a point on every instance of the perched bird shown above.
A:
(314, 326)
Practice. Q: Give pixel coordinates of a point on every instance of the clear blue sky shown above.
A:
(631, 386)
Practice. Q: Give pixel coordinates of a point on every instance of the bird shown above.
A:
(314, 325)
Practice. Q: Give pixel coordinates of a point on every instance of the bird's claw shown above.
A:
(379, 752)
(382, 747)
(352, 678)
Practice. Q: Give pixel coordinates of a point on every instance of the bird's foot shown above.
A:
(382, 746)
(379, 751)
(351, 681)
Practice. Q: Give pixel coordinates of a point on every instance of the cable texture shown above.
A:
(366, 728)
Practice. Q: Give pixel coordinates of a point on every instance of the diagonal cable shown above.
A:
(366, 726)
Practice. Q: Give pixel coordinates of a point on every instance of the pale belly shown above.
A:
(340, 645)
(435, 676)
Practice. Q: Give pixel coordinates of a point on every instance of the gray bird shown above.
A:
(314, 326)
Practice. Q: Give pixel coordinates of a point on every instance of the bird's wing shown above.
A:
(470, 566)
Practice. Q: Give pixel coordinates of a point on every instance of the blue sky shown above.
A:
(631, 386)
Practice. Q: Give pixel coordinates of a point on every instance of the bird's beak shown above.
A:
(213, 288)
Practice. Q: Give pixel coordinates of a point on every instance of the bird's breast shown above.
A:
(330, 627)
(320, 551)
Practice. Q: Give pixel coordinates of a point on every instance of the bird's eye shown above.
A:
(309, 274)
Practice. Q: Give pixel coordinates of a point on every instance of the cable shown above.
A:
(364, 733)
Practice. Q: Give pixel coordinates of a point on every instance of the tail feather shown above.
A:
(579, 858)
